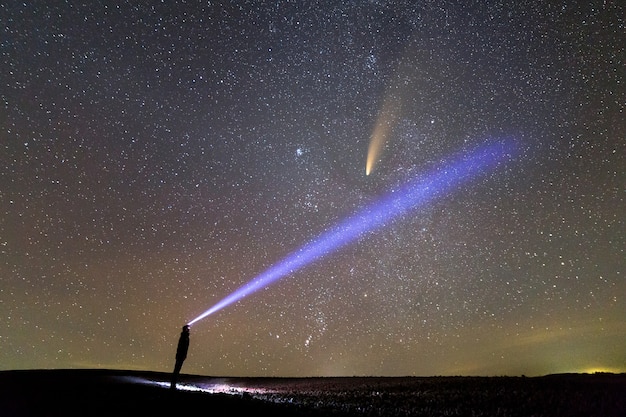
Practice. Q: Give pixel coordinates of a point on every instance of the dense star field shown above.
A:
(157, 156)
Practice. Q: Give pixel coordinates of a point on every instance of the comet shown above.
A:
(387, 120)
(443, 179)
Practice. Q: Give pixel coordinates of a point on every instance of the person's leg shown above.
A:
(177, 367)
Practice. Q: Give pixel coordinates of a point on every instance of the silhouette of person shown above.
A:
(181, 354)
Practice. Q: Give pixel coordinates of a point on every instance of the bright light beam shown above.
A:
(441, 180)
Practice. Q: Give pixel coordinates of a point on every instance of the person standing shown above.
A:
(181, 354)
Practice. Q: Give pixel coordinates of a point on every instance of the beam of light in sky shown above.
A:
(440, 181)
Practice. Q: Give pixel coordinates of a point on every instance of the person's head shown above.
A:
(186, 328)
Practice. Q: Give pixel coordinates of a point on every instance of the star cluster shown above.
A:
(157, 156)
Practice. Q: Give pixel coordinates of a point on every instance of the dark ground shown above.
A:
(134, 393)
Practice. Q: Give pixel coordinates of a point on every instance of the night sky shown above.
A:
(155, 157)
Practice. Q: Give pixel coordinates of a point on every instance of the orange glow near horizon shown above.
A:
(603, 369)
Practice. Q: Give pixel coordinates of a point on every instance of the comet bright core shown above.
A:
(385, 124)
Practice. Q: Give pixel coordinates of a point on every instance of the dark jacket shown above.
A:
(183, 345)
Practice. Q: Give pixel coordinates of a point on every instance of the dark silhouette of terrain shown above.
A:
(135, 393)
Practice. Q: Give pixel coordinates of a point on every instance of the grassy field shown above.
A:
(133, 393)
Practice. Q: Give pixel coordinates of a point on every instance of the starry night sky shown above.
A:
(157, 156)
